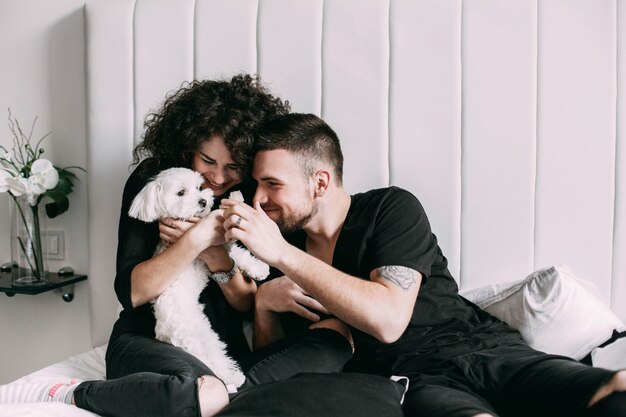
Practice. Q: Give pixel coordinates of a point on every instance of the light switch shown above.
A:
(55, 244)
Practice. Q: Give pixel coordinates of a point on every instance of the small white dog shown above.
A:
(180, 320)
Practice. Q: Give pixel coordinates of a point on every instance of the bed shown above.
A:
(554, 310)
(474, 106)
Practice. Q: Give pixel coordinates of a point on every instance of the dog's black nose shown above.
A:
(202, 203)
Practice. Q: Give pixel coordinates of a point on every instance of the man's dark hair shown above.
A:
(306, 136)
(233, 109)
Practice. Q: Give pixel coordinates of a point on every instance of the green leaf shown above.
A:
(64, 186)
(60, 203)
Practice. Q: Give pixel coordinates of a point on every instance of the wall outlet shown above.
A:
(55, 245)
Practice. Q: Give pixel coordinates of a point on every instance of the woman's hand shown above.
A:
(207, 231)
(170, 229)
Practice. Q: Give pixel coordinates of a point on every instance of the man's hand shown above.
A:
(255, 229)
(282, 295)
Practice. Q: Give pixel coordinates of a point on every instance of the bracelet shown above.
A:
(223, 277)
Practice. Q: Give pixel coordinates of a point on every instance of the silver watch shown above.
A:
(223, 277)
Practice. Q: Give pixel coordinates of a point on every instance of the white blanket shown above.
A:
(85, 366)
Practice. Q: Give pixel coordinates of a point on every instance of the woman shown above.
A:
(208, 126)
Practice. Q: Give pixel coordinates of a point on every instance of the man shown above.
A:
(372, 261)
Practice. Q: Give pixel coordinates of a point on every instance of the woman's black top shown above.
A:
(137, 242)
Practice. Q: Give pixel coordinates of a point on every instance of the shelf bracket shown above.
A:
(67, 292)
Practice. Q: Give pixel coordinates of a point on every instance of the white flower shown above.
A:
(20, 186)
(35, 184)
(43, 176)
(24, 174)
(17, 186)
(3, 180)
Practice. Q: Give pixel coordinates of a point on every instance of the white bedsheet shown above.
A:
(42, 410)
(85, 366)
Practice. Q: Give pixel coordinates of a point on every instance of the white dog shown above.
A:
(180, 320)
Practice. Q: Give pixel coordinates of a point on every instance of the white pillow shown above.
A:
(554, 311)
(612, 356)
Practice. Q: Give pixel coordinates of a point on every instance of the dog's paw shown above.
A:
(257, 270)
(236, 379)
(237, 196)
(230, 388)
(249, 265)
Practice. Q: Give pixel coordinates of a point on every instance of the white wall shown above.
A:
(42, 72)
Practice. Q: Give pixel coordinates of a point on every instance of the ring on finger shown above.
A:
(238, 221)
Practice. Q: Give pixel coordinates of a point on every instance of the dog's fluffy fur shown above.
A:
(180, 320)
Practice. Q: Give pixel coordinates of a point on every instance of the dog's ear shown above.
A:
(207, 194)
(146, 205)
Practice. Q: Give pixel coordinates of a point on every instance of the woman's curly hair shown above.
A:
(200, 110)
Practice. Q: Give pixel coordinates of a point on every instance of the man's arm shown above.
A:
(381, 307)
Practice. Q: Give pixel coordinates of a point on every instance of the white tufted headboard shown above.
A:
(507, 118)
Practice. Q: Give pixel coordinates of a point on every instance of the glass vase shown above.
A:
(28, 237)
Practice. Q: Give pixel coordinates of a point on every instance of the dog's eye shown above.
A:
(180, 193)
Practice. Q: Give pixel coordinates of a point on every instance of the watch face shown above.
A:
(222, 277)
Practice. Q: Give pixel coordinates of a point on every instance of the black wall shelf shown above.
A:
(59, 283)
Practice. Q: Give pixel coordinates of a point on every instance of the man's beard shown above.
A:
(287, 226)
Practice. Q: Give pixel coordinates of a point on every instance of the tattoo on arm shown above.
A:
(402, 276)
